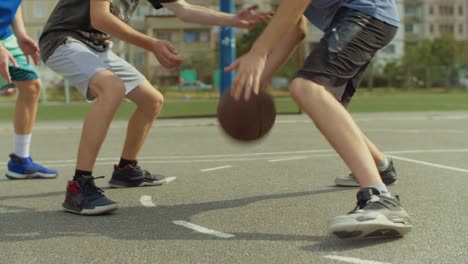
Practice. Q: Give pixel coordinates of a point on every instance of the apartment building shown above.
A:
(429, 19)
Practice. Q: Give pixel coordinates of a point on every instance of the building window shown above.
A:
(431, 10)
(190, 36)
(431, 28)
(204, 36)
(164, 35)
(460, 29)
(409, 28)
(460, 10)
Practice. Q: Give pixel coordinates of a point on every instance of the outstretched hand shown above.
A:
(30, 49)
(248, 18)
(166, 54)
(249, 73)
(5, 58)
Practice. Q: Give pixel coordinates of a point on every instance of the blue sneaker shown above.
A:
(26, 168)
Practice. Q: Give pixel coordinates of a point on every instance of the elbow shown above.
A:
(98, 22)
(301, 29)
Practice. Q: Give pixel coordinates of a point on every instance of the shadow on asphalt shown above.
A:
(136, 223)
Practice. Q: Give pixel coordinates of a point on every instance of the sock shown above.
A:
(80, 173)
(384, 164)
(382, 189)
(21, 145)
(124, 162)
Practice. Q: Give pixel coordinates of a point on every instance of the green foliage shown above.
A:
(430, 63)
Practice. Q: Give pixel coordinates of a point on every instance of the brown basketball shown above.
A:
(246, 120)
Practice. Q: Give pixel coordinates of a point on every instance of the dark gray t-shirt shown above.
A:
(71, 18)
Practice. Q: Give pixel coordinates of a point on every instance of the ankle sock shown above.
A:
(21, 145)
(382, 189)
(384, 164)
(80, 173)
(124, 162)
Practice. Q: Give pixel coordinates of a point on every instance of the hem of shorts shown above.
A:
(101, 69)
(313, 79)
(133, 85)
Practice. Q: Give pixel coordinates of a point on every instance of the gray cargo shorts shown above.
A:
(78, 63)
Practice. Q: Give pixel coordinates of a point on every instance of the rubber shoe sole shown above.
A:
(121, 184)
(379, 227)
(95, 211)
(37, 175)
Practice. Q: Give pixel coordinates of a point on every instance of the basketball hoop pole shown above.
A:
(227, 48)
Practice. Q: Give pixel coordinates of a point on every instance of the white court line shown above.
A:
(217, 168)
(354, 260)
(417, 131)
(147, 201)
(288, 159)
(202, 229)
(216, 158)
(430, 164)
(34, 234)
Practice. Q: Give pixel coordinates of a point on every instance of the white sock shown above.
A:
(21, 145)
(384, 164)
(382, 189)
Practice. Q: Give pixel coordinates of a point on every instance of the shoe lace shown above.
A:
(91, 190)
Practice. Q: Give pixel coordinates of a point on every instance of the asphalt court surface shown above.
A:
(262, 203)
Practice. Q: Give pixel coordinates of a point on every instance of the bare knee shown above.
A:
(107, 88)
(154, 104)
(301, 88)
(31, 89)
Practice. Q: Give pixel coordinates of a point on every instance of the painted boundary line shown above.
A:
(430, 164)
(216, 168)
(147, 201)
(258, 156)
(354, 260)
(202, 229)
(288, 159)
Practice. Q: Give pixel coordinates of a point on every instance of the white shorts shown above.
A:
(79, 64)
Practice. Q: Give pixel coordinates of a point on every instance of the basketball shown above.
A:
(246, 121)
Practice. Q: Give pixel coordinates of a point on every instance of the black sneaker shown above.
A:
(374, 216)
(134, 176)
(388, 176)
(84, 198)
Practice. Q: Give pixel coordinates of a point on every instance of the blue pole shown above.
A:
(227, 48)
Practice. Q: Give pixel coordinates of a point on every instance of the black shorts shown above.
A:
(345, 51)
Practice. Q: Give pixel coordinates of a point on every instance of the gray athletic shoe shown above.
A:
(374, 216)
(388, 176)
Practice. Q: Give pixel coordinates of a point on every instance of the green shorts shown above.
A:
(25, 71)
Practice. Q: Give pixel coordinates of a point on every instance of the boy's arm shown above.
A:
(202, 15)
(283, 51)
(250, 67)
(103, 20)
(26, 44)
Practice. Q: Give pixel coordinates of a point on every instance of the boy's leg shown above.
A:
(321, 90)
(149, 102)
(26, 80)
(88, 72)
(109, 91)
(384, 165)
(127, 173)
(336, 124)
